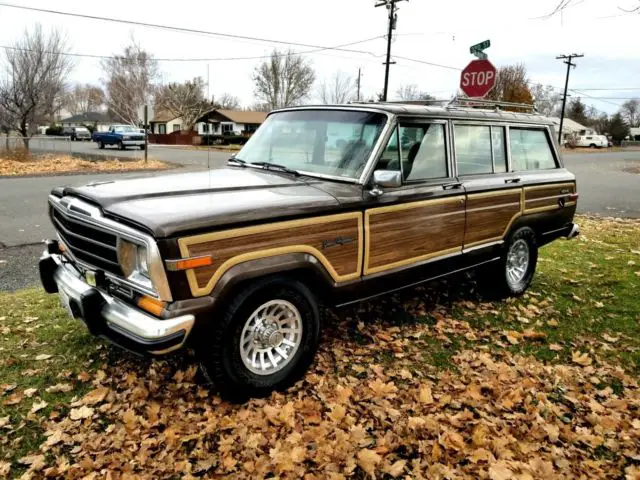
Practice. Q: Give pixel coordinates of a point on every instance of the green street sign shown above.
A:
(479, 47)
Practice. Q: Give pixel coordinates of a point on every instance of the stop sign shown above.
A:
(478, 78)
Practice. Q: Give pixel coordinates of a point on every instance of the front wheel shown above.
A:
(513, 273)
(121, 145)
(101, 145)
(266, 339)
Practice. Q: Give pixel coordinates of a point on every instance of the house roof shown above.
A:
(162, 116)
(89, 117)
(568, 124)
(241, 116)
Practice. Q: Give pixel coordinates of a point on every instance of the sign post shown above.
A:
(478, 78)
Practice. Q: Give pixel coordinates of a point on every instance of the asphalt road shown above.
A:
(606, 182)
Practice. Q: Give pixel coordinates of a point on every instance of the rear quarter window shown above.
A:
(531, 149)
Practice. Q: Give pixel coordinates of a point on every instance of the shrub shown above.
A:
(53, 130)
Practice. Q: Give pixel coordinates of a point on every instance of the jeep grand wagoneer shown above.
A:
(323, 206)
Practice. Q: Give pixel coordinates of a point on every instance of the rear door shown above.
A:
(494, 195)
(422, 220)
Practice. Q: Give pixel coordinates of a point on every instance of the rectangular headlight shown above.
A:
(134, 261)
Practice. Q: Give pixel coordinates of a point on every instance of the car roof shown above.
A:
(447, 112)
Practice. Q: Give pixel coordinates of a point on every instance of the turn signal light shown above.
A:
(151, 305)
(187, 263)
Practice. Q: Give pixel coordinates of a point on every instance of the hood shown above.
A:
(170, 204)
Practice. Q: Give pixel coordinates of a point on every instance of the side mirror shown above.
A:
(386, 179)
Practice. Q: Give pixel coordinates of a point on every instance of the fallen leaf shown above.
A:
(368, 460)
(610, 339)
(553, 432)
(5, 468)
(81, 413)
(553, 323)
(95, 396)
(30, 392)
(532, 335)
(499, 471)
(582, 359)
(425, 395)
(59, 388)
(9, 387)
(555, 347)
(4, 421)
(37, 406)
(513, 337)
(43, 356)
(396, 469)
(35, 462)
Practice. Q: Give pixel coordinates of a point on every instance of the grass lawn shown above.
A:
(430, 383)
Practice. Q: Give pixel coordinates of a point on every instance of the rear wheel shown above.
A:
(121, 146)
(593, 145)
(142, 147)
(513, 273)
(101, 145)
(266, 339)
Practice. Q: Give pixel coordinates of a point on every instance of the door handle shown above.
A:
(451, 186)
(512, 180)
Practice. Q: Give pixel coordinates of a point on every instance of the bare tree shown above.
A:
(6, 124)
(340, 89)
(84, 98)
(545, 98)
(128, 82)
(36, 69)
(226, 101)
(564, 4)
(185, 100)
(630, 111)
(512, 85)
(283, 80)
(411, 92)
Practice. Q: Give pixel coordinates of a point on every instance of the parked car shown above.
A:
(239, 262)
(592, 141)
(77, 133)
(122, 136)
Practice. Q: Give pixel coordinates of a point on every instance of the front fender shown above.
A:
(305, 265)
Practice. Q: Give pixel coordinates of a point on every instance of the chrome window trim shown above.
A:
(156, 266)
(378, 149)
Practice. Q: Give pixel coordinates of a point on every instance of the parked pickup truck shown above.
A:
(121, 135)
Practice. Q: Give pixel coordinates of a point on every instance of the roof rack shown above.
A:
(482, 103)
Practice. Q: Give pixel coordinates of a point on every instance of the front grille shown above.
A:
(88, 243)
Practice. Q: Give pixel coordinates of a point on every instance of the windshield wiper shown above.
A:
(237, 160)
(275, 166)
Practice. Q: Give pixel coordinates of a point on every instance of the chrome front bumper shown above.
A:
(133, 143)
(111, 317)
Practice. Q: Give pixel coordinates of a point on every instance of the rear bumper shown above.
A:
(110, 317)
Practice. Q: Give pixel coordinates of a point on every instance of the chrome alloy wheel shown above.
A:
(271, 337)
(517, 263)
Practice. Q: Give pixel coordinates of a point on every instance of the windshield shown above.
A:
(126, 129)
(328, 142)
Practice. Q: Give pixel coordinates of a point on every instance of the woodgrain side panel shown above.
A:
(409, 233)
(546, 197)
(490, 215)
(342, 260)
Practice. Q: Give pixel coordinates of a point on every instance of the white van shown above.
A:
(592, 141)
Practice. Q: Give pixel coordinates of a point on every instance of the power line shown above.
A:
(180, 29)
(427, 63)
(304, 52)
(580, 92)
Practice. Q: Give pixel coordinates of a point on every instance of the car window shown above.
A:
(473, 149)
(530, 150)
(498, 144)
(424, 152)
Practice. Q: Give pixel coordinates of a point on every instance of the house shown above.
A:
(226, 121)
(634, 134)
(570, 128)
(164, 122)
(98, 120)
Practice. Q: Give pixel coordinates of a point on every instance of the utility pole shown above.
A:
(146, 133)
(568, 60)
(393, 19)
(359, 74)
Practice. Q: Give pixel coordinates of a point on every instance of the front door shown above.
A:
(494, 196)
(424, 219)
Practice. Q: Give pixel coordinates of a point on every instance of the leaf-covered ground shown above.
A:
(58, 164)
(430, 383)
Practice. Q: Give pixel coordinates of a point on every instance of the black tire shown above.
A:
(101, 145)
(593, 145)
(121, 146)
(219, 349)
(495, 282)
(142, 147)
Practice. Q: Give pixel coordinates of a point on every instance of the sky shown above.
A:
(434, 31)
